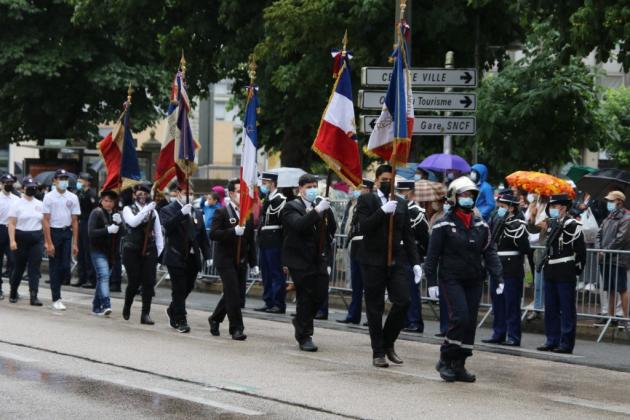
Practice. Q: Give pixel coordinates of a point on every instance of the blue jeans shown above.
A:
(59, 265)
(560, 314)
(274, 281)
(356, 279)
(101, 293)
(539, 290)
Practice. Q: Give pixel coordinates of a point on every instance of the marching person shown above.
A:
(462, 247)
(142, 244)
(309, 229)
(564, 259)
(61, 233)
(88, 201)
(509, 233)
(7, 201)
(270, 242)
(185, 251)
(26, 240)
(231, 261)
(420, 227)
(374, 211)
(103, 230)
(350, 227)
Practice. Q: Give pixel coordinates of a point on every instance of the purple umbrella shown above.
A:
(441, 162)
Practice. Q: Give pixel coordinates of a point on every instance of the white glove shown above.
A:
(329, 270)
(239, 230)
(322, 206)
(149, 207)
(417, 274)
(112, 229)
(434, 292)
(255, 271)
(187, 209)
(389, 207)
(208, 264)
(116, 218)
(500, 289)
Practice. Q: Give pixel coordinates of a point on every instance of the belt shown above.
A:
(271, 227)
(357, 238)
(561, 260)
(508, 253)
(60, 228)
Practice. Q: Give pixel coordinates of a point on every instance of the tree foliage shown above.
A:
(616, 109)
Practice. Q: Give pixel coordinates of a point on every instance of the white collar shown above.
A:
(234, 206)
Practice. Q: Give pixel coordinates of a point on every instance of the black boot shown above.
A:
(146, 308)
(126, 312)
(462, 375)
(13, 296)
(444, 366)
(34, 300)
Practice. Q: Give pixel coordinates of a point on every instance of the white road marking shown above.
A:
(610, 407)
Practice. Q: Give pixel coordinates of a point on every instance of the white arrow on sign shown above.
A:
(459, 126)
(427, 77)
(423, 101)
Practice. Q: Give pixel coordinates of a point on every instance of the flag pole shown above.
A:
(393, 158)
(182, 67)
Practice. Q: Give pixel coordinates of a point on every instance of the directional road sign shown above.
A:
(423, 101)
(459, 126)
(426, 77)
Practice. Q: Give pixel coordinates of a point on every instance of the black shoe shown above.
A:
(560, 350)
(171, 320)
(380, 362)
(35, 301)
(321, 317)
(546, 347)
(492, 340)
(308, 345)
(47, 281)
(65, 282)
(393, 357)
(365, 324)
(446, 371)
(146, 319)
(275, 310)
(88, 286)
(511, 343)
(238, 335)
(440, 335)
(126, 312)
(414, 329)
(115, 289)
(183, 327)
(461, 374)
(13, 298)
(262, 309)
(214, 327)
(345, 321)
(77, 284)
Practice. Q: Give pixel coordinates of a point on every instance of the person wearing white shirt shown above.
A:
(141, 246)
(7, 200)
(26, 240)
(61, 233)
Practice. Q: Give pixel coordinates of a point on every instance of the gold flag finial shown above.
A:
(344, 43)
(182, 62)
(403, 6)
(129, 93)
(252, 69)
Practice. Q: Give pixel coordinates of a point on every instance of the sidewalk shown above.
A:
(587, 352)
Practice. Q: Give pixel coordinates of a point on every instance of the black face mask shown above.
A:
(31, 191)
(39, 195)
(385, 188)
(8, 187)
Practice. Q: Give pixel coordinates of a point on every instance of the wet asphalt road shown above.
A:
(75, 365)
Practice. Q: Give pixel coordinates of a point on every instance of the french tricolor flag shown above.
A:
(394, 127)
(249, 167)
(336, 140)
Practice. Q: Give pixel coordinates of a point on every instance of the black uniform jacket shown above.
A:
(183, 235)
(222, 231)
(374, 226)
(462, 254)
(270, 230)
(88, 201)
(100, 239)
(566, 250)
(420, 227)
(302, 237)
(512, 239)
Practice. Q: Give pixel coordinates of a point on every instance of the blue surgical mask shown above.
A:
(417, 177)
(611, 206)
(310, 194)
(356, 194)
(79, 185)
(554, 213)
(264, 189)
(466, 202)
(501, 211)
(62, 184)
(446, 207)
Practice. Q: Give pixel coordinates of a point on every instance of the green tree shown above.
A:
(616, 108)
(537, 110)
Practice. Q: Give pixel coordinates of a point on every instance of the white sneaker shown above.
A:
(107, 312)
(97, 313)
(58, 305)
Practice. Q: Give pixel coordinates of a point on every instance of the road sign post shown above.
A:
(428, 125)
(422, 77)
(423, 101)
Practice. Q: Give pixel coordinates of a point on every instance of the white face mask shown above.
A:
(531, 198)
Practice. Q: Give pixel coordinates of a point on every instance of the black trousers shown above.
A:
(27, 257)
(182, 283)
(141, 271)
(233, 279)
(376, 280)
(462, 300)
(5, 248)
(87, 275)
(311, 290)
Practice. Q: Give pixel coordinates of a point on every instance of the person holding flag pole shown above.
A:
(232, 228)
(384, 218)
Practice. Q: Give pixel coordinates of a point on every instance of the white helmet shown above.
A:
(461, 185)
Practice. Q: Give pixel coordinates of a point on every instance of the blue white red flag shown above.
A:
(249, 167)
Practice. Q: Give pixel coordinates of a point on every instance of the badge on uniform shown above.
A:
(232, 221)
(454, 230)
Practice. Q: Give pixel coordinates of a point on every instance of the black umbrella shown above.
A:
(46, 178)
(600, 183)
